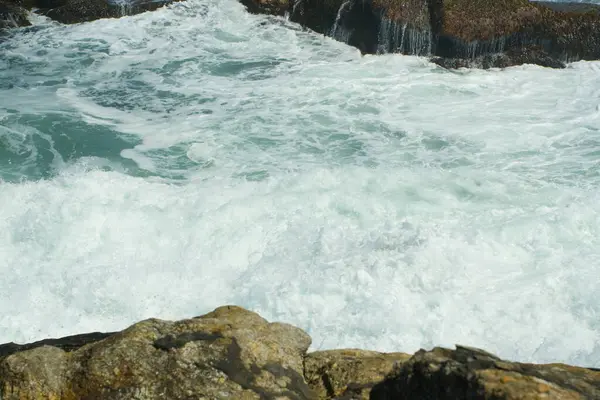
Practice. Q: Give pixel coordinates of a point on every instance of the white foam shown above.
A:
(378, 202)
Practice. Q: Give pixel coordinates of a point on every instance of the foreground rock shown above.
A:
(468, 373)
(232, 353)
(456, 33)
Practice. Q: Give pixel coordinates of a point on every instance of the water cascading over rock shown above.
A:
(405, 27)
(456, 33)
(373, 26)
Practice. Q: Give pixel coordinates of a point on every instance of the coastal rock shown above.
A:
(12, 15)
(233, 353)
(349, 373)
(469, 373)
(230, 353)
(76, 11)
(522, 31)
(457, 33)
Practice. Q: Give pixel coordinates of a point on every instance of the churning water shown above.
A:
(164, 164)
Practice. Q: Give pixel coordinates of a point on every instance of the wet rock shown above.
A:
(502, 60)
(469, 373)
(466, 33)
(12, 15)
(230, 353)
(349, 373)
(76, 11)
(523, 30)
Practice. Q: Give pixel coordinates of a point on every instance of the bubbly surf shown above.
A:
(164, 164)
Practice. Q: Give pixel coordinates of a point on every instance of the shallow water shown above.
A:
(167, 163)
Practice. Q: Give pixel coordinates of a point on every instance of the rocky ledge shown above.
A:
(232, 353)
(455, 33)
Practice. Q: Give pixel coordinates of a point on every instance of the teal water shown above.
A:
(164, 164)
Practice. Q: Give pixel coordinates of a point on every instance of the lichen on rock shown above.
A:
(349, 373)
(229, 353)
(233, 353)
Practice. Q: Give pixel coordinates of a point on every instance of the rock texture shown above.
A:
(349, 373)
(229, 353)
(468, 373)
(232, 353)
(456, 33)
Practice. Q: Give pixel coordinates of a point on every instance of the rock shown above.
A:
(469, 373)
(525, 31)
(13, 12)
(462, 33)
(349, 373)
(502, 60)
(230, 353)
(76, 11)
(68, 343)
(233, 353)
(12, 15)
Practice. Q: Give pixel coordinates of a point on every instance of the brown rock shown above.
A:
(230, 353)
(349, 373)
(465, 33)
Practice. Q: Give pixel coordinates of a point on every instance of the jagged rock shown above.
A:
(12, 15)
(348, 373)
(469, 373)
(462, 33)
(230, 353)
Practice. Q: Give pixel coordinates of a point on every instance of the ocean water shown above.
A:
(167, 163)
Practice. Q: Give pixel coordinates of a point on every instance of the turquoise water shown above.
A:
(167, 163)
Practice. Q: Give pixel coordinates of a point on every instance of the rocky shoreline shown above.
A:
(233, 353)
(453, 33)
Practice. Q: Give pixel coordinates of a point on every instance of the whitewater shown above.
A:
(171, 162)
